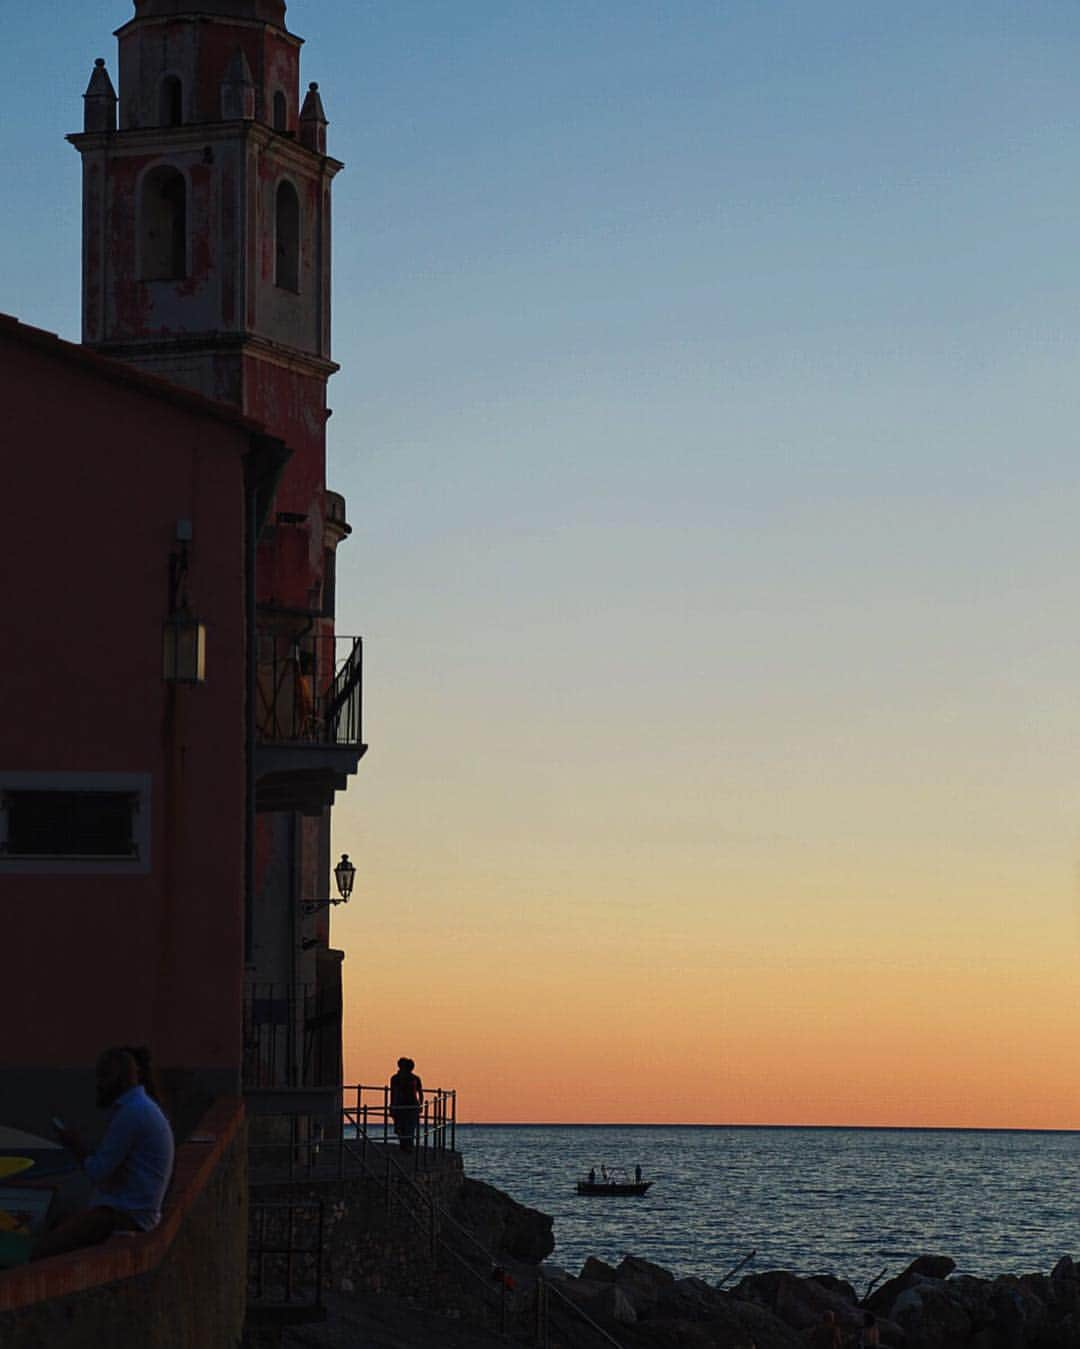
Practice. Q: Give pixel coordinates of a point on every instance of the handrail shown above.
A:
(390, 1168)
(436, 1122)
(440, 1217)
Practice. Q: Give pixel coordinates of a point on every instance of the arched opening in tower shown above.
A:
(287, 238)
(170, 102)
(163, 225)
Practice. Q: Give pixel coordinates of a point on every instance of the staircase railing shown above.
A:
(435, 1220)
(308, 1151)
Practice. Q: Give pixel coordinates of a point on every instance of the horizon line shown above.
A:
(866, 1128)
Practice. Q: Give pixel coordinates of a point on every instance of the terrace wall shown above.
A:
(181, 1286)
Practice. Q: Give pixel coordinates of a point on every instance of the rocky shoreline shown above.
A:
(492, 1282)
(927, 1306)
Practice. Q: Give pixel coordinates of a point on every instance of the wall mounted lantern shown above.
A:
(344, 875)
(184, 649)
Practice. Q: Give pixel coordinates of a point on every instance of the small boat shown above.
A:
(615, 1183)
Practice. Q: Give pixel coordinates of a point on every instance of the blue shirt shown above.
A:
(132, 1167)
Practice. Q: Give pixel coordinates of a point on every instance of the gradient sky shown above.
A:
(708, 423)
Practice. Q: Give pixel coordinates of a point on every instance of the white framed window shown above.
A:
(74, 823)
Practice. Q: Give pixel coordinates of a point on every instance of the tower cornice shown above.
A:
(265, 11)
(197, 16)
(221, 344)
(192, 136)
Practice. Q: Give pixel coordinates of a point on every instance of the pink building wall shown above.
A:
(99, 472)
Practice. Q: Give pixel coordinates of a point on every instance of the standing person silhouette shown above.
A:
(406, 1098)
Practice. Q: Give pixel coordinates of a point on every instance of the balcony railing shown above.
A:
(309, 688)
(357, 1135)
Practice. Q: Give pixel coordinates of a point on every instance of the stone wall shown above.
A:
(374, 1239)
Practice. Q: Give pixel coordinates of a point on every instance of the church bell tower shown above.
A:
(206, 220)
(206, 262)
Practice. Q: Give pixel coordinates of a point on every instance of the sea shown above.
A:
(854, 1203)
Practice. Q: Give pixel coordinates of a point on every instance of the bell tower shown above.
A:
(206, 262)
(206, 221)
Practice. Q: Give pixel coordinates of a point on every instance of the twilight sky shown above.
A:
(708, 423)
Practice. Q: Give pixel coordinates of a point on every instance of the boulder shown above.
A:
(800, 1303)
(642, 1282)
(840, 1287)
(690, 1300)
(932, 1266)
(599, 1270)
(1065, 1269)
(599, 1299)
(732, 1325)
(500, 1223)
(974, 1296)
(929, 1317)
(1018, 1314)
(925, 1267)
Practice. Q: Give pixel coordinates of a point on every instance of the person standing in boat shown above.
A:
(637, 1174)
(406, 1098)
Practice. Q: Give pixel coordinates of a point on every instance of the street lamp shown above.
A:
(344, 875)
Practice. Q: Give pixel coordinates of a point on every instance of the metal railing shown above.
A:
(331, 1146)
(309, 688)
(307, 1149)
(285, 1261)
(367, 1112)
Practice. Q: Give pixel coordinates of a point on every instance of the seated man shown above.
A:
(130, 1170)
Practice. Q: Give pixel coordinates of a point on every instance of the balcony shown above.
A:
(308, 718)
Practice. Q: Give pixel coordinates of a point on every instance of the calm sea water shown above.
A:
(848, 1202)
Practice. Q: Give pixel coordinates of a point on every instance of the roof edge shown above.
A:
(120, 373)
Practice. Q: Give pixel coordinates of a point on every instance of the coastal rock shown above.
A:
(932, 1266)
(929, 1317)
(1018, 1314)
(597, 1269)
(642, 1282)
(974, 1296)
(599, 1299)
(800, 1303)
(616, 1306)
(840, 1287)
(1065, 1269)
(654, 1310)
(501, 1224)
(924, 1267)
(689, 1300)
(731, 1325)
